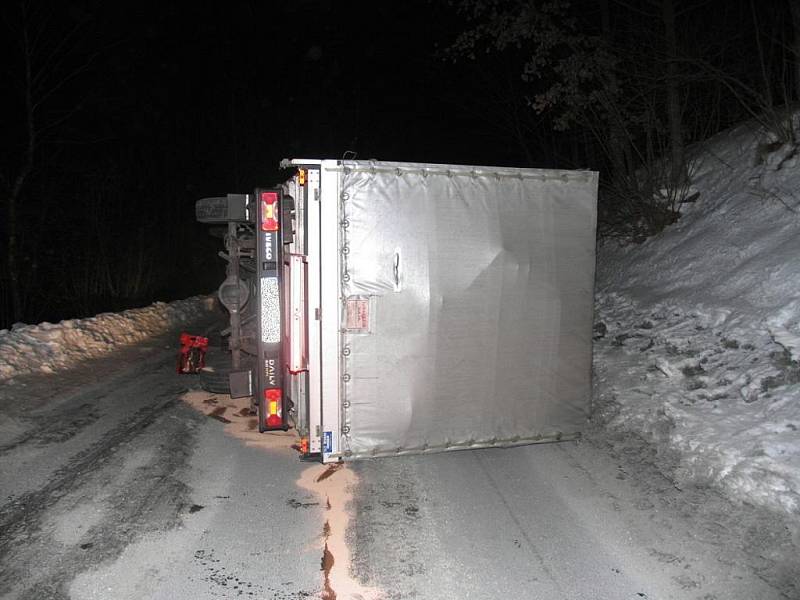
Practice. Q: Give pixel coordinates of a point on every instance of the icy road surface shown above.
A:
(115, 488)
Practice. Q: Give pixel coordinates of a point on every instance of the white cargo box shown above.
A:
(449, 307)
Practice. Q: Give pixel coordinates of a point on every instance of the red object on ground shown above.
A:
(193, 353)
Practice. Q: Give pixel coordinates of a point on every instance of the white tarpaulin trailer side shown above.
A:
(465, 299)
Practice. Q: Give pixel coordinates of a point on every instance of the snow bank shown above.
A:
(698, 329)
(48, 347)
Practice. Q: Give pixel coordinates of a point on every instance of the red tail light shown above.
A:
(269, 211)
(274, 408)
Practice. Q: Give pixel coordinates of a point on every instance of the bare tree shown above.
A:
(794, 11)
(48, 59)
(672, 85)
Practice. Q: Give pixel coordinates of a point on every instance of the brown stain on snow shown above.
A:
(217, 414)
(327, 566)
(336, 492)
(329, 471)
(238, 420)
(318, 479)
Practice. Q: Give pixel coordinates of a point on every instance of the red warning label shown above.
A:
(358, 314)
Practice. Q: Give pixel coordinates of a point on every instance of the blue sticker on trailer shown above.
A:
(327, 441)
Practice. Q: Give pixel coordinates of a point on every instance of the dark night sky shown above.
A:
(314, 77)
(215, 94)
(144, 107)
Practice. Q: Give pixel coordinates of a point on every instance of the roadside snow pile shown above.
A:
(48, 347)
(698, 329)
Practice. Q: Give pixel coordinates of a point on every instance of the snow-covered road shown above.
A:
(112, 487)
(556, 521)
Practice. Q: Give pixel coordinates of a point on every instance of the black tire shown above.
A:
(215, 383)
(214, 377)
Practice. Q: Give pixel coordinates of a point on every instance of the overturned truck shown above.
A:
(387, 308)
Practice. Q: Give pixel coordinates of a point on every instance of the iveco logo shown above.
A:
(270, 372)
(268, 255)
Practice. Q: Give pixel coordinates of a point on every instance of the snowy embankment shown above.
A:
(698, 329)
(47, 347)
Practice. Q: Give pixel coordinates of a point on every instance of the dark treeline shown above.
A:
(627, 86)
(116, 117)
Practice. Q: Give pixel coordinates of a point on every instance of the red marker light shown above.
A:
(269, 211)
(273, 400)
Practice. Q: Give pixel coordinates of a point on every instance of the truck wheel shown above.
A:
(215, 382)
(214, 377)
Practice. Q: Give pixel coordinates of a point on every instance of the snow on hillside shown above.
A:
(48, 347)
(698, 329)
